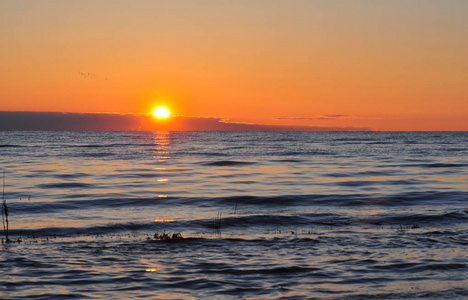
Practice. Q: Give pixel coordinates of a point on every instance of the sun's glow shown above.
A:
(161, 112)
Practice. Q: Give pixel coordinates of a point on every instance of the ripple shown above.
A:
(227, 163)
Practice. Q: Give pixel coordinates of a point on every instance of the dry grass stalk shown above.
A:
(5, 212)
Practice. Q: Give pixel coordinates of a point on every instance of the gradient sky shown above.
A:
(379, 64)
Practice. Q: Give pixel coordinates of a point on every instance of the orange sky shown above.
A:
(386, 65)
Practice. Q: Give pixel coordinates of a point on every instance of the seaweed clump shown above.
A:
(166, 237)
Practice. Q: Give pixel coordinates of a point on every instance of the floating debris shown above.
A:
(165, 237)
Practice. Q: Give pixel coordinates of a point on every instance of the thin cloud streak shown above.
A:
(329, 117)
(317, 117)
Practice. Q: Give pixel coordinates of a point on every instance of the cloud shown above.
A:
(135, 122)
(68, 121)
(337, 116)
(317, 117)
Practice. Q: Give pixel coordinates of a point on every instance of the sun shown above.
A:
(161, 112)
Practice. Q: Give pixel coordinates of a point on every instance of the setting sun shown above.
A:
(161, 112)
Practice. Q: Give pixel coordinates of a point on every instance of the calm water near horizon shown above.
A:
(264, 215)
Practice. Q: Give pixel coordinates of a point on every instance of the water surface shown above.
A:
(280, 215)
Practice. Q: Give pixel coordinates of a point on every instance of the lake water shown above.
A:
(264, 215)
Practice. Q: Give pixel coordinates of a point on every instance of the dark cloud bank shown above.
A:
(135, 122)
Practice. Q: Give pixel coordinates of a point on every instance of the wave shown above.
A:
(72, 176)
(287, 160)
(431, 165)
(65, 185)
(227, 163)
(86, 201)
(352, 200)
(283, 222)
(12, 146)
(109, 145)
(442, 165)
(359, 183)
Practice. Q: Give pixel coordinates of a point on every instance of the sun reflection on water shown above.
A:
(164, 220)
(161, 148)
(161, 155)
(152, 270)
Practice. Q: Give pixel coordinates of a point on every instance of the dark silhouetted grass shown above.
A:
(5, 212)
(216, 222)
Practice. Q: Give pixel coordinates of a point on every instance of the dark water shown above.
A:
(264, 215)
